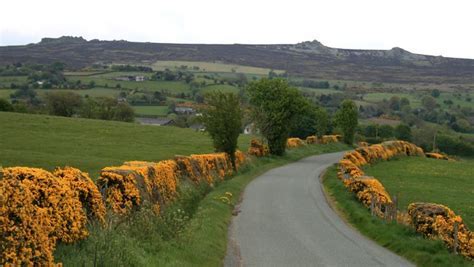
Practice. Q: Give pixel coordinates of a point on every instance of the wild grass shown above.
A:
(400, 239)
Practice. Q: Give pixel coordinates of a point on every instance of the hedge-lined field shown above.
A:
(48, 141)
(396, 237)
(432, 220)
(428, 180)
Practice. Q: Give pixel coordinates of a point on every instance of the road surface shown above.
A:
(285, 220)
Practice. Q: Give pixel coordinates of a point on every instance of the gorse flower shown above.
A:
(294, 142)
(39, 208)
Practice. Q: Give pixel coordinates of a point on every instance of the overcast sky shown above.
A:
(427, 27)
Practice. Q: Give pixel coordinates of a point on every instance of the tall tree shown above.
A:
(274, 106)
(403, 132)
(223, 122)
(322, 121)
(63, 103)
(346, 120)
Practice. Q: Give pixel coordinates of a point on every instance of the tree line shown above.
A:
(69, 104)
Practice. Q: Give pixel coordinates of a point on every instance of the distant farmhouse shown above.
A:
(184, 110)
(138, 78)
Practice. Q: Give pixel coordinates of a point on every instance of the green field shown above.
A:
(101, 80)
(398, 238)
(428, 180)
(319, 91)
(415, 98)
(95, 92)
(220, 87)
(151, 110)
(48, 141)
(5, 93)
(378, 97)
(6, 81)
(211, 67)
(461, 101)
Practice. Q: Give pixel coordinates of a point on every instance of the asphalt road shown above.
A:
(285, 220)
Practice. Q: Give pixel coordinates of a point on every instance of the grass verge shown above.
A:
(192, 232)
(397, 238)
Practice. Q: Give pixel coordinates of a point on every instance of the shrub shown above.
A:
(294, 142)
(346, 120)
(274, 106)
(223, 122)
(37, 210)
(437, 221)
(258, 149)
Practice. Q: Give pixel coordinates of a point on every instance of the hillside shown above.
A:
(309, 59)
(48, 141)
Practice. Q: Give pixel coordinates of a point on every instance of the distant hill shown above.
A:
(309, 59)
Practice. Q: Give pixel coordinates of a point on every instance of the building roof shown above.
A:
(155, 121)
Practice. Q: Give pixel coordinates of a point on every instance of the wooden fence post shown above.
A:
(379, 205)
(372, 205)
(395, 208)
(455, 245)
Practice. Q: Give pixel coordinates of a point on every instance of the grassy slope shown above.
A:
(203, 242)
(47, 142)
(429, 180)
(398, 238)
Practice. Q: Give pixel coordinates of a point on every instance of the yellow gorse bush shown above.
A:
(437, 156)
(294, 142)
(136, 182)
(258, 149)
(327, 139)
(37, 209)
(437, 221)
(89, 194)
(312, 139)
(364, 187)
(432, 220)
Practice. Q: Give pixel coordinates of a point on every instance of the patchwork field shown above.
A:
(428, 180)
(210, 67)
(47, 142)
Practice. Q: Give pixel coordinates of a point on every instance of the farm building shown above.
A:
(156, 121)
(184, 110)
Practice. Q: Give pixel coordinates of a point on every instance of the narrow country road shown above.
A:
(285, 220)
